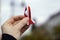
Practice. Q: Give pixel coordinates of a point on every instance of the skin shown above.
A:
(15, 26)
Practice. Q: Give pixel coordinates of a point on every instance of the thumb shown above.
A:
(22, 23)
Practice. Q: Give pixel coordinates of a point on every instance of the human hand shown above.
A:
(15, 26)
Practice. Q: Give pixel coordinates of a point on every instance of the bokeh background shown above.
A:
(46, 14)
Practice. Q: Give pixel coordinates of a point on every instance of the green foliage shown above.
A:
(56, 32)
(38, 34)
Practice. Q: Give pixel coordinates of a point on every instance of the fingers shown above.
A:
(18, 17)
(22, 23)
(15, 18)
(23, 29)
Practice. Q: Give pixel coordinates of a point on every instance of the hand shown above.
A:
(15, 26)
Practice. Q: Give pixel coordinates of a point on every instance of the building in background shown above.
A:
(53, 21)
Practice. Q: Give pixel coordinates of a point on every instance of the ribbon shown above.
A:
(27, 13)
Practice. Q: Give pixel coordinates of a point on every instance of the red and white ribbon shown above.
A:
(27, 13)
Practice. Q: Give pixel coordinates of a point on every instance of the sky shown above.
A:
(41, 9)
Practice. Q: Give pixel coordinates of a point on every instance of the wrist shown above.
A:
(12, 35)
(8, 37)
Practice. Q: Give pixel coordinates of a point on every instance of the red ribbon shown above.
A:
(28, 9)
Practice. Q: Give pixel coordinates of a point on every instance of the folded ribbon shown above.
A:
(27, 13)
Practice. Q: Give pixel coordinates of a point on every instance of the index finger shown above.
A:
(15, 18)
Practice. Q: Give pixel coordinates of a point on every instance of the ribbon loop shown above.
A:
(27, 13)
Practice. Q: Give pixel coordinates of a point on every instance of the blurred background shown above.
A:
(45, 13)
